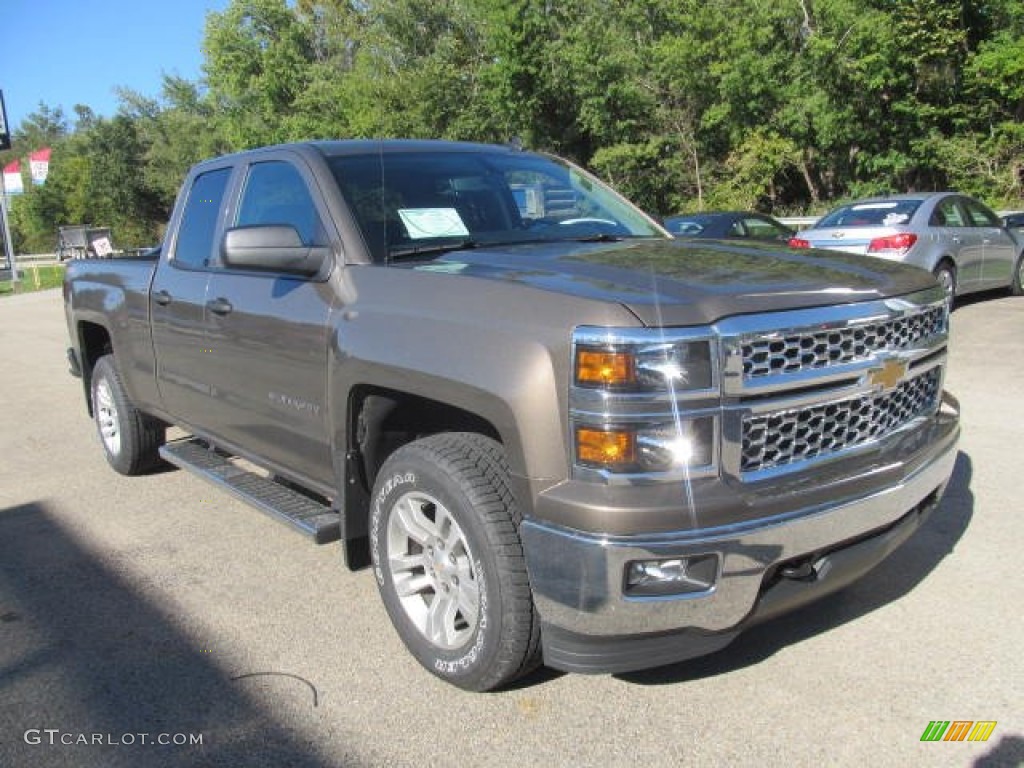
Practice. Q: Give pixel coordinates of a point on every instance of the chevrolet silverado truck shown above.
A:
(556, 434)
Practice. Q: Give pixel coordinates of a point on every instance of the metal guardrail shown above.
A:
(799, 222)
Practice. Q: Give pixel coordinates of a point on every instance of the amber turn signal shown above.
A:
(601, 448)
(604, 369)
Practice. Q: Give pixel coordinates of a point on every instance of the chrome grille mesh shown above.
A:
(783, 437)
(811, 349)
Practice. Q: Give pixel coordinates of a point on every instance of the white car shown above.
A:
(963, 243)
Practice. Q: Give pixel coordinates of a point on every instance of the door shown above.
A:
(178, 302)
(961, 241)
(268, 335)
(1000, 250)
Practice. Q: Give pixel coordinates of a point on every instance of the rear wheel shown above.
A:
(444, 535)
(131, 439)
(1017, 278)
(945, 273)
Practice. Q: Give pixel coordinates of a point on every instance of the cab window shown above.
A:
(276, 194)
(194, 245)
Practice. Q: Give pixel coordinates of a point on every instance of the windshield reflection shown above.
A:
(418, 203)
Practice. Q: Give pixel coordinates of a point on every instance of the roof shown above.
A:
(341, 147)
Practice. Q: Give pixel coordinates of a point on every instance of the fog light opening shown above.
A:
(671, 576)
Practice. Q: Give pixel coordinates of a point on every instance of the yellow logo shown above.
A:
(889, 375)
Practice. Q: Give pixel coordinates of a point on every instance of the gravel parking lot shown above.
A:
(138, 616)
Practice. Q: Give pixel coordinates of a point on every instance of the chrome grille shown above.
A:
(787, 436)
(812, 349)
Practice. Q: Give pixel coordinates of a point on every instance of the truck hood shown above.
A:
(677, 282)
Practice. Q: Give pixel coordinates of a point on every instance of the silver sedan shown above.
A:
(964, 244)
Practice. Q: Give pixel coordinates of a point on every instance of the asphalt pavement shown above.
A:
(156, 621)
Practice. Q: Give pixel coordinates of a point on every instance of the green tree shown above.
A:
(258, 58)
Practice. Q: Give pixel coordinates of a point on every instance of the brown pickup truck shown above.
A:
(557, 434)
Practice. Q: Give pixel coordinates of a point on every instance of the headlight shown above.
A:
(644, 367)
(688, 444)
(644, 402)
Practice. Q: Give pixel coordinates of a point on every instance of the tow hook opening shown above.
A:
(802, 570)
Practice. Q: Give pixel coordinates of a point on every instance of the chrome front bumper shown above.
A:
(579, 581)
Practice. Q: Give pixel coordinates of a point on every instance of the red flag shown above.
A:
(40, 165)
(12, 178)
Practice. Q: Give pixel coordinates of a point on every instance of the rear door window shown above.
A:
(761, 228)
(948, 214)
(978, 215)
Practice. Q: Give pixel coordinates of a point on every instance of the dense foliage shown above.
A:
(781, 105)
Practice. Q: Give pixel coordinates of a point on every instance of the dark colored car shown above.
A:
(1014, 220)
(728, 224)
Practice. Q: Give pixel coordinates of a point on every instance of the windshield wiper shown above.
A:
(429, 249)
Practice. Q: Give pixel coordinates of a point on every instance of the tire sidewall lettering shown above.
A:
(470, 657)
(465, 474)
(397, 480)
(442, 661)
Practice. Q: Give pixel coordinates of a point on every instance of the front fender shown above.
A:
(493, 349)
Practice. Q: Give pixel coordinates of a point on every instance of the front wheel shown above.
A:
(444, 536)
(131, 439)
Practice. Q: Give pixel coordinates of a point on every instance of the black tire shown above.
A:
(444, 503)
(945, 273)
(1017, 278)
(130, 438)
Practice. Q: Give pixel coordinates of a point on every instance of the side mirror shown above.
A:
(275, 248)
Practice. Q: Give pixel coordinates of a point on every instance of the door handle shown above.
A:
(163, 298)
(219, 306)
(956, 240)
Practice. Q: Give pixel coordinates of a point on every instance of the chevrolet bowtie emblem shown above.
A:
(889, 375)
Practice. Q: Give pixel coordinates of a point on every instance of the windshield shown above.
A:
(424, 202)
(881, 213)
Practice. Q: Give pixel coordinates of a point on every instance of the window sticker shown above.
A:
(422, 223)
(892, 219)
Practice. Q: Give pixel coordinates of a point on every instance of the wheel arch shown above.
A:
(379, 421)
(947, 261)
(93, 343)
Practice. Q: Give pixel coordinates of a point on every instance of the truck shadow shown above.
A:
(891, 580)
(1007, 753)
(978, 298)
(83, 652)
